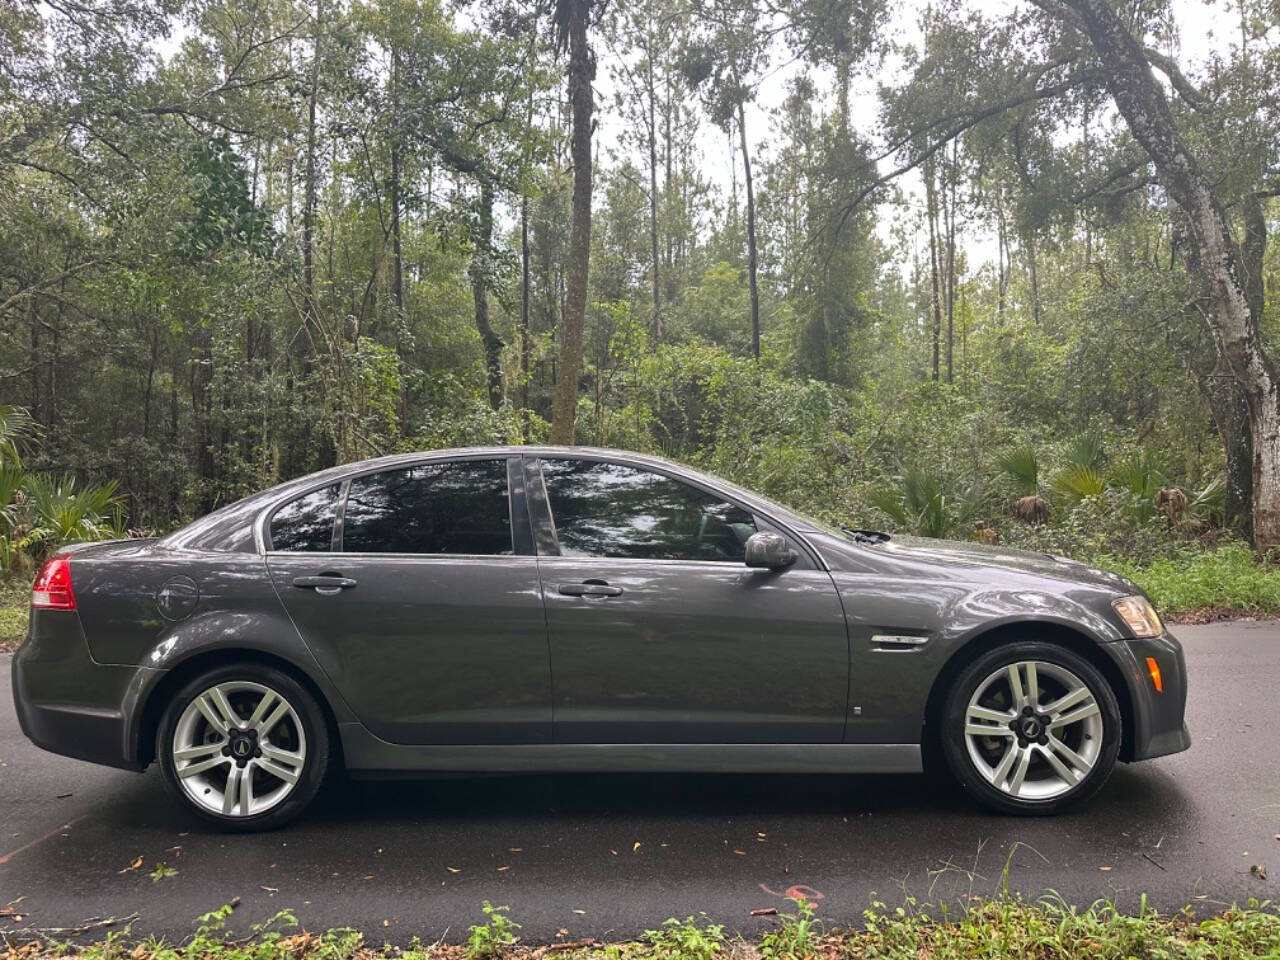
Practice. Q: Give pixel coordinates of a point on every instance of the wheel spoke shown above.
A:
(1083, 712)
(1002, 768)
(1015, 686)
(1033, 685)
(229, 716)
(268, 699)
(994, 716)
(1077, 762)
(1067, 701)
(192, 769)
(232, 790)
(1066, 774)
(246, 790)
(278, 771)
(198, 751)
(278, 714)
(1020, 774)
(986, 730)
(206, 706)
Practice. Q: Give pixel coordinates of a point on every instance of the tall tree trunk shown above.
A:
(653, 198)
(1001, 245)
(935, 300)
(950, 208)
(526, 427)
(480, 293)
(582, 71)
(1142, 103)
(306, 341)
(752, 257)
(397, 266)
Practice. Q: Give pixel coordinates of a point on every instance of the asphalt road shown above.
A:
(608, 856)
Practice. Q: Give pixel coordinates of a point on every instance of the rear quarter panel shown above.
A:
(236, 608)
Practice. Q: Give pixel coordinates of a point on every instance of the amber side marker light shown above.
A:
(1153, 668)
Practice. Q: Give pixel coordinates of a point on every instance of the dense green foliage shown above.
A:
(39, 512)
(1003, 928)
(245, 239)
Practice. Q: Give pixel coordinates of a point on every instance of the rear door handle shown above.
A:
(326, 584)
(591, 588)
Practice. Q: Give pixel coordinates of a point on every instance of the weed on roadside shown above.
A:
(685, 940)
(488, 939)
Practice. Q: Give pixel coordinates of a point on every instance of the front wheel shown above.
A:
(1031, 728)
(245, 747)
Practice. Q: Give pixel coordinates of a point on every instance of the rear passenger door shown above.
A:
(417, 590)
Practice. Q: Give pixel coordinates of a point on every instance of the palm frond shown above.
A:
(1076, 481)
(1086, 451)
(1024, 467)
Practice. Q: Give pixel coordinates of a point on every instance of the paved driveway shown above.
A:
(395, 859)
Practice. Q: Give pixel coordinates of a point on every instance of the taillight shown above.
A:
(52, 589)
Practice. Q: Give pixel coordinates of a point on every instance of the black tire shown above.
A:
(955, 746)
(311, 719)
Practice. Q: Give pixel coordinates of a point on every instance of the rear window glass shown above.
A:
(460, 507)
(306, 524)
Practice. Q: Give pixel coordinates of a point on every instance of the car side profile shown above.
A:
(573, 609)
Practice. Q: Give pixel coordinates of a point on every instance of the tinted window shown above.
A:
(431, 508)
(306, 523)
(608, 510)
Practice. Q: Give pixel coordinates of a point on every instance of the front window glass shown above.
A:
(459, 507)
(306, 524)
(609, 510)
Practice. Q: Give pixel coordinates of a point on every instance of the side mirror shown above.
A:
(770, 551)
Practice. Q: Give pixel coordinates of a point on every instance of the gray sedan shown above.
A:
(571, 609)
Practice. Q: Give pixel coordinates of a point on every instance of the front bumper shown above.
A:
(69, 704)
(1158, 726)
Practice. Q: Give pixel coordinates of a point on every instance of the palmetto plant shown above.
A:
(1024, 467)
(920, 504)
(39, 513)
(1141, 480)
(61, 511)
(17, 430)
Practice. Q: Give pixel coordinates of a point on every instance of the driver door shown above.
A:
(660, 634)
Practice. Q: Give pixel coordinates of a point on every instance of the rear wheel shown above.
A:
(244, 746)
(1031, 728)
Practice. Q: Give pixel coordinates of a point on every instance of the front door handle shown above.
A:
(590, 588)
(327, 584)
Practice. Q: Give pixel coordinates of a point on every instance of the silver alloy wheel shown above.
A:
(239, 749)
(1033, 730)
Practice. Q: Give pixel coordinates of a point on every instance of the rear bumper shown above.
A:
(67, 703)
(1159, 727)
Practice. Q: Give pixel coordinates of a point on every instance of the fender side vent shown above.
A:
(896, 643)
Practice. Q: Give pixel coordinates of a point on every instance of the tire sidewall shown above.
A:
(955, 748)
(314, 728)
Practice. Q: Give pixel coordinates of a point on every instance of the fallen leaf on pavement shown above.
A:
(1105, 869)
(133, 866)
(581, 913)
(635, 846)
(1259, 871)
(765, 912)
(740, 853)
(503, 869)
(454, 869)
(270, 889)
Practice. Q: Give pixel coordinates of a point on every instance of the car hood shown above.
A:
(961, 553)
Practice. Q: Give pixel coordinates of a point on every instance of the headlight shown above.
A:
(1139, 616)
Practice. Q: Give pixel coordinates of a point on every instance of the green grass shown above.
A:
(1006, 927)
(1226, 582)
(15, 594)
